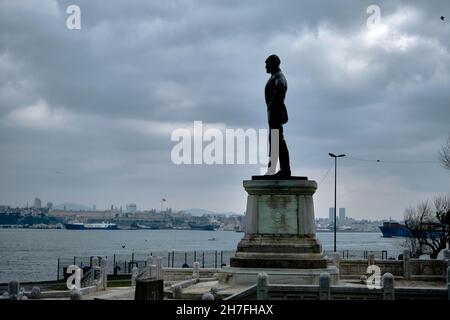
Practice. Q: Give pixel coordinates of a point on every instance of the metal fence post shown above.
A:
(173, 255)
(168, 260)
(221, 258)
(203, 259)
(57, 273)
(215, 259)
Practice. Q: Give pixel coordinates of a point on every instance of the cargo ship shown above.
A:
(90, 226)
(394, 229)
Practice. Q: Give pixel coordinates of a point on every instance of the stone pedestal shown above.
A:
(279, 234)
(280, 226)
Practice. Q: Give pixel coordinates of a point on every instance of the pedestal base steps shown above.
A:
(247, 276)
(279, 251)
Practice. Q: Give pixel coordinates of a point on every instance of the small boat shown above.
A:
(323, 230)
(212, 239)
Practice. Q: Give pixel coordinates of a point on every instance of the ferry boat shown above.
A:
(90, 226)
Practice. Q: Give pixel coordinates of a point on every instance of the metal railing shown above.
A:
(123, 264)
(364, 254)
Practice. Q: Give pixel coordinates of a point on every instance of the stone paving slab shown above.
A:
(120, 293)
(197, 290)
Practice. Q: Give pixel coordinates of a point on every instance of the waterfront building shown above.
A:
(341, 215)
(131, 208)
(37, 203)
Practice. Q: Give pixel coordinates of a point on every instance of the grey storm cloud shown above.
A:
(86, 115)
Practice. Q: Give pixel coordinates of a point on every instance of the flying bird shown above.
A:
(442, 18)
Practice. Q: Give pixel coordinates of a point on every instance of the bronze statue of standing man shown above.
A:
(275, 92)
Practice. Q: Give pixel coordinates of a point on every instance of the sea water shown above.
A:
(32, 254)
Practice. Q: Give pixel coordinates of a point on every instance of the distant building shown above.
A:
(49, 205)
(331, 215)
(37, 203)
(131, 208)
(342, 215)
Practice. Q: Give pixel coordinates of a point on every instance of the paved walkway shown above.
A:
(197, 290)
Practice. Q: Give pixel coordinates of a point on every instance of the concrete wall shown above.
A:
(420, 269)
(311, 292)
(428, 267)
(178, 274)
(357, 268)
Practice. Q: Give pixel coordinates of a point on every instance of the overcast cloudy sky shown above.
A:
(86, 115)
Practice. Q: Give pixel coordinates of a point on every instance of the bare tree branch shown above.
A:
(444, 154)
(429, 225)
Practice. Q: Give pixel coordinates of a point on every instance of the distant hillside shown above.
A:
(71, 207)
(200, 212)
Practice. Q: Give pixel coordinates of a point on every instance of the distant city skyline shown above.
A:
(133, 208)
(86, 116)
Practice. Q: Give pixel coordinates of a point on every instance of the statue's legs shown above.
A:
(284, 154)
(278, 149)
(274, 150)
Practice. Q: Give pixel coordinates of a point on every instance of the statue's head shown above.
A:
(272, 63)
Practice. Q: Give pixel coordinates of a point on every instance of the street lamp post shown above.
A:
(335, 176)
